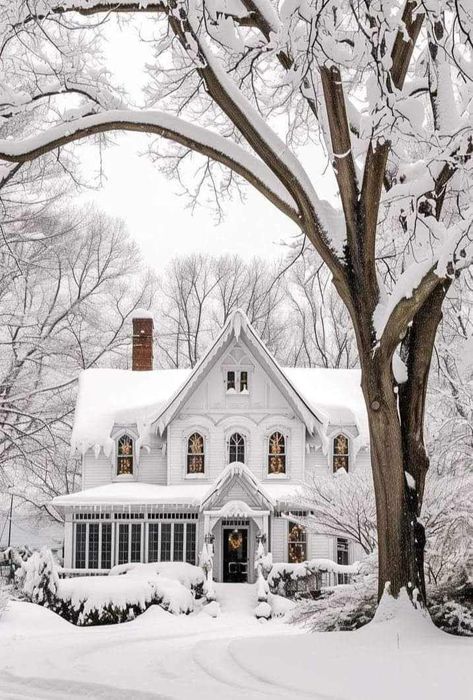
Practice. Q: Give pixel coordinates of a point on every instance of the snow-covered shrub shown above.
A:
(451, 604)
(39, 578)
(104, 600)
(263, 611)
(342, 607)
(304, 578)
(3, 599)
(190, 576)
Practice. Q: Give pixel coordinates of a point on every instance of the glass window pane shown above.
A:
(125, 455)
(106, 562)
(123, 538)
(166, 542)
(195, 454)
(244, 381)
(296, 543)
(277, 454)
(153, 542)
(135, 554)
(190, 543)
(236, 448)
(80, 545)
(94, 545)
(178, 553)
(231, 381)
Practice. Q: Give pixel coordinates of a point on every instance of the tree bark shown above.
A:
(400, 536)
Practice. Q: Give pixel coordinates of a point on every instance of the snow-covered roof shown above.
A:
(135, 493)
(117, 396)
(325, 399)
(197, 495)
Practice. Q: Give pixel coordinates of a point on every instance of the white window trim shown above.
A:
(244, 434)
(270, 432)
(185, 439)
(331, 451)
(116, 437)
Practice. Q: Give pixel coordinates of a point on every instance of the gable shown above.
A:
(210, 393)
(237, 335)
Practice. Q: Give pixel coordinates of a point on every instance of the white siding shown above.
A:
(279, 539)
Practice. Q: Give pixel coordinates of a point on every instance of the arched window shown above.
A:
(236, 448)
(195, 454)
(340, 452)
(277, 454)
(125, 455)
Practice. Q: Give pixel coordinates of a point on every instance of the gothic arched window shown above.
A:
(236, 448)
(277, 454)
(341, 454)
(125, 455)
(195, 454)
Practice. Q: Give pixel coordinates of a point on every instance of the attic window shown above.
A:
(237, 382)
(341, 454)
(231, 381)
(125, 455)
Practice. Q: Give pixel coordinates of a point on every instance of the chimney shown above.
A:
(142, 353)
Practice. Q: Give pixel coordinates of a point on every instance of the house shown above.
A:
(175, 458)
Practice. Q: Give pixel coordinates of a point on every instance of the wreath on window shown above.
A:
(235, 539)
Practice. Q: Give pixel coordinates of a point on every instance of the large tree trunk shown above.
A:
(400, 536)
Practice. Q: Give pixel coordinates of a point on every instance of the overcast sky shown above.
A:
(156, 215)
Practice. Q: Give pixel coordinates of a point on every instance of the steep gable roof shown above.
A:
(236, 327)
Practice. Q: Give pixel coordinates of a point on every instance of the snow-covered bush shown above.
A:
(190, 576)
(304, 578)
(103, 600)
(39, 578)
(3, 599)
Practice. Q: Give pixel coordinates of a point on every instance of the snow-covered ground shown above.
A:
(160, 655)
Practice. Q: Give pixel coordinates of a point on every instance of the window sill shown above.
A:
(277, 476)
(196, 476)
(125, 477)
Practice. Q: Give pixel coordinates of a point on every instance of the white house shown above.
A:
(173, 458)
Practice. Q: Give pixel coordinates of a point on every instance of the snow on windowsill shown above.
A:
(196, 476)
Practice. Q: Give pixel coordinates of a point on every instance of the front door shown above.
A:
(235, 555)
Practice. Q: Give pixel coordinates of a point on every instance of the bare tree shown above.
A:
(375, 84)
(64, 305)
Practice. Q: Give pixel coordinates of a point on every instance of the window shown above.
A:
(93, 546)
(123, 539)
(237, 382)
(195, 454)
(231, 386)
(178, 546)
(125, 455)
(106, 559)
(277, 454)
(190, 543)
(342, 557)
(236, 448)
(153, 542)
(340, 452)
(166, 542)
(297, 544)
(81, 545)
(135, 544)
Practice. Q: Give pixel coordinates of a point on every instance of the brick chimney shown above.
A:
(142, 352)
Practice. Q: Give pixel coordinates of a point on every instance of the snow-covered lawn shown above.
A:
(232, 656)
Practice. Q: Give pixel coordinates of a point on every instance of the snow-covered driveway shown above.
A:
(156, 656)
(230, 657)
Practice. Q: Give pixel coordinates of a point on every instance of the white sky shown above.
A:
(156, 215)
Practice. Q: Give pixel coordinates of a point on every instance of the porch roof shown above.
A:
(189, 495)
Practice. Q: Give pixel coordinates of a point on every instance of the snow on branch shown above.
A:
(167, 126)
